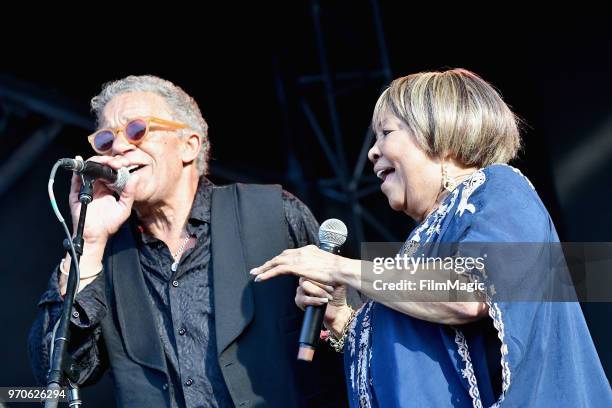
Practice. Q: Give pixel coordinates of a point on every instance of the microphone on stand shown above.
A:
(117, 179)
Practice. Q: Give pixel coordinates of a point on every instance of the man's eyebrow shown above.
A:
(122, 120)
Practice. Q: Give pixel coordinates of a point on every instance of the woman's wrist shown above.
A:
(337, 336)
(349, 273)
(339, 322)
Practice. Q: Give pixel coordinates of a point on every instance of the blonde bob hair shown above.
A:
(453, 114)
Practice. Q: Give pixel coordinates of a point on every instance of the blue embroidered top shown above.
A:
(525, 354)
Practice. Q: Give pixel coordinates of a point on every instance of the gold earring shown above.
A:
(447, 183)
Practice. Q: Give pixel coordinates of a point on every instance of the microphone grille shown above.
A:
(332, 232)
(123, 175)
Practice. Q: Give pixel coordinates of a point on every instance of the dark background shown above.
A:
(258, 75)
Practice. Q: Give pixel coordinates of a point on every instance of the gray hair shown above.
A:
(453, 113)
(184, 107)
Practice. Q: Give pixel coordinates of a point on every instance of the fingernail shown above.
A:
(329, 288)
(257, 278)
(324, 300)
(330, 297)
(253, 271)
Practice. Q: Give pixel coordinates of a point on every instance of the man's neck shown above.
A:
(166, 220)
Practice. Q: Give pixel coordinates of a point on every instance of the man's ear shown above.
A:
(191, 147)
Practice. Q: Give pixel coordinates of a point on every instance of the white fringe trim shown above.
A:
(468, 372)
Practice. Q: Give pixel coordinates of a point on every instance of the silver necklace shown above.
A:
(177, 254)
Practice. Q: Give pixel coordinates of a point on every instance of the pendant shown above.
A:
(174, 266)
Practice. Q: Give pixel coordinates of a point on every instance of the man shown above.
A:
(165, 299)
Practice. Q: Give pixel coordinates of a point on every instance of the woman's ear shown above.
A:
(191, 147)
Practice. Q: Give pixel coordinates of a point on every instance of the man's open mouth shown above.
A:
(135, 167)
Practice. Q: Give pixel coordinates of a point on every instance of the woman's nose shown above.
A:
(374, 153)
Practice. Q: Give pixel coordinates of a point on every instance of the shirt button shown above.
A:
(182, 331)
(75, 314)
(175, 284)
(189, 382)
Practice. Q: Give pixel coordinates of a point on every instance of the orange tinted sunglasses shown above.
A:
(134, 131)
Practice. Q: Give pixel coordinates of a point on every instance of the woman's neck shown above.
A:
(457, 174)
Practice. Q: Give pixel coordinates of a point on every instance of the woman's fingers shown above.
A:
(284, 269)
(308, 262)
(327, 288)
(313, 290)
(271, 273)
(277, 260)
(302, 299)
(314, 301)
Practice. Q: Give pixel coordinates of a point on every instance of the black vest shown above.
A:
(257, 325)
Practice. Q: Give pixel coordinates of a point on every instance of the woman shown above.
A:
(442, 143)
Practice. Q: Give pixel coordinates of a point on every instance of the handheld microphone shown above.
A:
(117, 179)
(332, 234)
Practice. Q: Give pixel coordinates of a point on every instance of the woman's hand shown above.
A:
(323, 280)
(337, 312)
(308, 262)
(310, 293)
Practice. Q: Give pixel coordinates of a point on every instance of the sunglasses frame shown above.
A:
(121, 129)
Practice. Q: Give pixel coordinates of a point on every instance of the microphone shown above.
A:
(332, 234)
(117, 179)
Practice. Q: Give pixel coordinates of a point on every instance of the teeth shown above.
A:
(133, 168)
(381, 173)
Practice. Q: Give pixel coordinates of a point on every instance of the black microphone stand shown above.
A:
(60, 363)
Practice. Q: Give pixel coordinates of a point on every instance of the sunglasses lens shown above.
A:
(103, 140)
(136, 130)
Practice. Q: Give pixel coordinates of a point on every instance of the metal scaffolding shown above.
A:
(349, 185)
(22, 101)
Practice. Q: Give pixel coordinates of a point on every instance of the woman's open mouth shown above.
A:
(383, 173)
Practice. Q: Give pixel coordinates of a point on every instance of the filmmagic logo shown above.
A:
(430, 285)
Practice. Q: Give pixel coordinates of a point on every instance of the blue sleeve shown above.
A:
(503, 222)
(546, 348)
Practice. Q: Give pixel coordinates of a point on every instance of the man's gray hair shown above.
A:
(184, 107)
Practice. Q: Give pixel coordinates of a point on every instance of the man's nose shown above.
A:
(120, 144)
